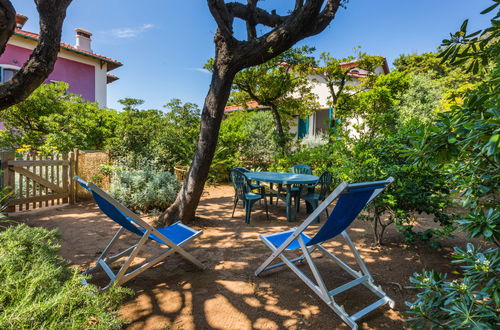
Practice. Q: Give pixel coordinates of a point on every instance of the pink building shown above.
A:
(85, 71)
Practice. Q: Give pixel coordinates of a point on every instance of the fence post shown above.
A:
(71, 175)
(76, 153)
(65, 175)
(8, 176)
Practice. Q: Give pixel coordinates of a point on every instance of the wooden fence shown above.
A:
(45, 180)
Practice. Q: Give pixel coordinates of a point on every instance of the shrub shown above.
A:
(469, 302)
(315, 140)
(5, 197)
(416, 190)
(465, 141)
(246, 139)
(161, 139)
(144, 190)
(38, 291)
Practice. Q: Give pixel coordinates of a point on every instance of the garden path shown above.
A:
(175, 295)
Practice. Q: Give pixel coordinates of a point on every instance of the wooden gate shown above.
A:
(38, 180)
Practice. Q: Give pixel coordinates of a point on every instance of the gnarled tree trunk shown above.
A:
(7, 22)
(309, 17)
(187, 200)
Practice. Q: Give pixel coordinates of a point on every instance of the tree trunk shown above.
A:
(43, 58)
(7, 22)
(187, 200)
(232, 55)
(279, 128)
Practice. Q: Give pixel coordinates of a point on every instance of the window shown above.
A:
(7, 72)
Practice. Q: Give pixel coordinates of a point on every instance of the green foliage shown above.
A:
(426, 63)
(421, 100)
(281, 84)
(338, 79)
(377, 108)
(144, 190)
(465, 142)
(177, 139)
(51, 117)
(471, 301)
(477, 49)
(5, 196)
(246, 139)
(152, 137)
(416, 190)
(132, 141)
(39, 291)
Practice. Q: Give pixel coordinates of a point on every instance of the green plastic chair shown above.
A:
(253, 186)
(242, 192)
(313, 198)
(300, 169)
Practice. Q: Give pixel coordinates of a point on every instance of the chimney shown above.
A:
(20, 20)
(83, 40)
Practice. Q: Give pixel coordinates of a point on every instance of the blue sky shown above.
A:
(163, 44)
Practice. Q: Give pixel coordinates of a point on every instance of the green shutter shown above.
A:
(303, 128)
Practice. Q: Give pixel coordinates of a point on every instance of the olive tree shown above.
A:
(305, 19)
(282, 85)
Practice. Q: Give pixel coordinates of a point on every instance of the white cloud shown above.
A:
(199, 70)
(131, 32)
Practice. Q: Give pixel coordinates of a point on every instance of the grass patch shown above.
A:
(38, 290)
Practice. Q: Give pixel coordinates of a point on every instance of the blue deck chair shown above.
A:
(173, 237)
(352, 198)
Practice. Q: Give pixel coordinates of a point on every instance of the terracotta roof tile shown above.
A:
(252, 105)
(112, 64)
(110, 78)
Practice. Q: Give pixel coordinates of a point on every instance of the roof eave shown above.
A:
(111, 64)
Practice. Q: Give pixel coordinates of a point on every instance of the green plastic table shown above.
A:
(286, 179)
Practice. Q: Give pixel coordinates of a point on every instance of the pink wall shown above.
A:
(79, 76)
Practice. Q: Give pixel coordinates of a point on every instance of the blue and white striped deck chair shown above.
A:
(352, 198)
(173, 237)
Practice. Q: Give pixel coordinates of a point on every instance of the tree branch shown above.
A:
(306, 21)
(252, 12)
(7, 22)
(299, 4)
(44, 56)
(222, 17)
(251, 30)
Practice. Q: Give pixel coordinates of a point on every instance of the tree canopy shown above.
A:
(282, 84)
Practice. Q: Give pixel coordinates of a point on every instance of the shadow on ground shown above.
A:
(227, 295)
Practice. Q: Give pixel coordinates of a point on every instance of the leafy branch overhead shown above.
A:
(280, 84)
(475, 49)
(306, 19)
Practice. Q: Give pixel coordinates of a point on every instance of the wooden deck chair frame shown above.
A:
(104, 261)
(318, 286)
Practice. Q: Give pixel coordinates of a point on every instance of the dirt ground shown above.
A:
(227, 295)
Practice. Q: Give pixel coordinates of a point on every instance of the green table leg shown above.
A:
(288, 203)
